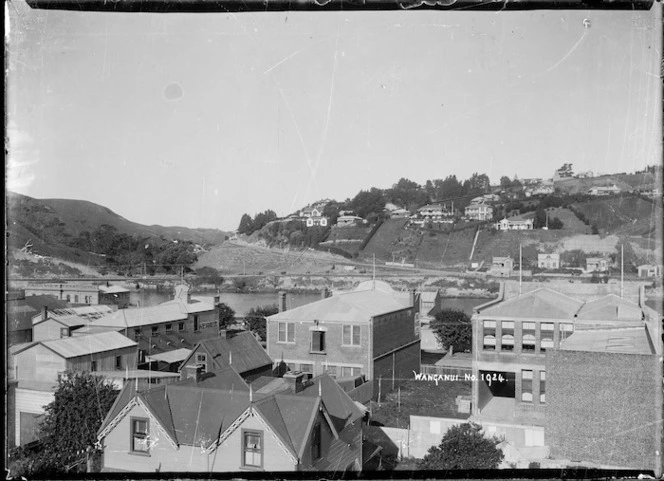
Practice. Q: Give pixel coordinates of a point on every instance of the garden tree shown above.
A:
(540, 219)
(407, 193)
(449, 188)
(464, 447)
(81, 401)
(574, 258)
(477, 184)
(246, 225)
(453, 329)
(226, 315)
(367, 202)
(208, 275)
(556, 223)
(505, 182)
(255, 319)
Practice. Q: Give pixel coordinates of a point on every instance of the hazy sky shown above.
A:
(195, 119)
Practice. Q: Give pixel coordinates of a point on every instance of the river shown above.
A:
(242, 302)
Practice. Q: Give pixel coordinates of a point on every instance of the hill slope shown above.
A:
(50, 224)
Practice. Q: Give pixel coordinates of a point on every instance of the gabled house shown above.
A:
(479, 210)
(20, 312)
(59, 323)
(502, 266)
(597, 264)
(514, 224)
(313, 217)
(348, 220)
(650, 270)
(548, 261)
(78, 293)
(604, 190)
(310, 426)
(36, 368)
(241, 351)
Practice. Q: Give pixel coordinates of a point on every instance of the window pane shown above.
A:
(356, 335)
(346, 335)
(507, 339)
(526, 385)
(489, 328)
(291, 332)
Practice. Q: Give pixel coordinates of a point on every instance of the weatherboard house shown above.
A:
(77, 293)
(227, 426)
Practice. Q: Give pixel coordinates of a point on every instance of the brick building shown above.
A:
(366, 332)
(584, 368)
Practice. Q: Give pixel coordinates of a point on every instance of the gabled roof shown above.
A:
(356, 306)
(242, 351)
(112, 289)
(144, 316)
(195, 305)
(429, 296)
(543, 303)
(69, 347)
(177, 355)
(609, 308)
(197, 415)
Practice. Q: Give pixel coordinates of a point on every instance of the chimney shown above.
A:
(45, 313)
(223, 333)
(324, 293)
(282, 301)
(412, 297)
(191, 371)
(217, 299)
(294, 381)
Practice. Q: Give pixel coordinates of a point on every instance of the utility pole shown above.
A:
(520, 268)
(622, 267)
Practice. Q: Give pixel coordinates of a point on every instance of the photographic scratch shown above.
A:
(566, 56)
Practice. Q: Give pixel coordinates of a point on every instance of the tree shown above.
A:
(226, 315)
(255, 319)
(505, 182)
(453, 329)
(246, 224)
(81, 402)
(464, 447)
(556, 223)
(540, 219)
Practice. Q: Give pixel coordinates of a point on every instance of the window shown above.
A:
(118, 362)
(155, 331)
(68, 298)
(546, 341)
(252, 449)
(169, 327)
(527, 386)
(528, 340)
(140, 435)
(201, 360)
(317, 341)
(137, 333)
(331, 370)
(286, 332)
(542, 386)
(93, 366)
(489, 335)
(141, 355)
(196, 324)
(76, 299)
(64, 332)
(180, 326)
(316, 442)
(350, 336)
(566, 330)
(507, 337)
(351, 371)
(307, 368)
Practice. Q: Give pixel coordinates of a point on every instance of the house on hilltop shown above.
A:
(514, 224)
(302, 426)
(548, 261)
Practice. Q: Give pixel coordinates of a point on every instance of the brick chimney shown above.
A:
(224, 334)
(295, 381)
(412, 297)
(45, 313)
(217, 299)
(191, 371)
(281, 301)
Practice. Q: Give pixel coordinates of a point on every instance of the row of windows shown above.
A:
(86, 299)
(252, 442)
(168, 328)
(528, 338)
(527, 386)
(119, 364)
(331, 369)
(350, 336)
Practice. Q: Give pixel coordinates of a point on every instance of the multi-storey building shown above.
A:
(83, 294)
(479, 210)
(365, 332)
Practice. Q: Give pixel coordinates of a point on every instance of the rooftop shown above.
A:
(175, 310)
(355, 306)
(626, 341)
(70, 347)
(542, 303)
(609, 308)
(241, 351)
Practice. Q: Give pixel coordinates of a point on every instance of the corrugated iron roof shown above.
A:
(609, 308)
(625, 341)
(112, 289)
(85, 345)
(178, 355)
(356, 306)
(242, 351)
(543, 303)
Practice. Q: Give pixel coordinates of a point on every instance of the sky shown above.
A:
(195, 119)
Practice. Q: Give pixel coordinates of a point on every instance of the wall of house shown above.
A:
(28, 402)
(64, 292)
(163, 456)
(393, 330)
(48, 330)
(38, 363)
(335, 353)
(393, 369)
(229, 456)
(105, 360)
(603, 408)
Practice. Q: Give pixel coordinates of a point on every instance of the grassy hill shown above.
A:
(623, 215)
(625, 182)
(51, 224)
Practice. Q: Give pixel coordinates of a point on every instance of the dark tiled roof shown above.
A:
(164, 342)
(339, 405)
(242, 350)
(227, 379)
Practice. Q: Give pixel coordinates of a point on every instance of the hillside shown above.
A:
(623, 215)
(51, 224)
(625, 182)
